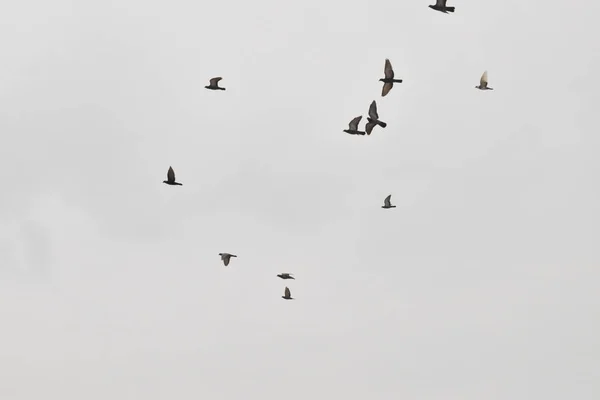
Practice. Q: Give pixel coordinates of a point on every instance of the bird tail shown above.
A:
(374, 122)
(451, 9)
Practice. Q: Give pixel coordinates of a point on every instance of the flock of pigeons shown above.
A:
(226, 257)
(372, 121)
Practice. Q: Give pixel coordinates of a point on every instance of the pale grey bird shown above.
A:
(226, 257)
(171, 178)
(373, 119)
(285, 275)
(287, 294)
(387, 202)
(483, 82)
(440, 5)
(388, 81)
(353, 127)
(214, 84)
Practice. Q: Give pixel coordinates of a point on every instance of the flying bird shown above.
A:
(171, 178)
(440, 5)
(285, 275)
(287, 294)
(226, 257)
(353, 127)
(483, 82)
(214, 84)
(387, 203)
(373, 119)
(388, 81)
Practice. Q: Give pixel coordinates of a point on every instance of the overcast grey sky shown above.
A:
(481, 284)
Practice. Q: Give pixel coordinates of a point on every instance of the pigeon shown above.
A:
(373, 119)
(285, 275)
(214, 84)
(440, 5)
(353, 127)
(171, 178)
(226, 257)
(388, 81)
(483, 82)
(287, 294)
(387, 203)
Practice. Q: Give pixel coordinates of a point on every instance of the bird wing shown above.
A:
(369, 127)
(373, 111)
(171, 175)
(387, 201)
(287, 292)
(353, 125)
(440, 3)
(225, 258)
(484, 79)
(386, 88)
(387, 70)
(215, 81)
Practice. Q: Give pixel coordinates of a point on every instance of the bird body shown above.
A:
(388, 81)
(483, 82)
(287, 294)
(440, 5)
(387, 202)
(285, 275)
(171, 178)
(373, 119)
(214, 84)
(226, 257)
(353, 127)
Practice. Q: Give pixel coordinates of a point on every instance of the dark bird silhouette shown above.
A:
(388, 81)
(226, 257)
(353, 127)
(214, 84)
(373, 119)
(171, 178)
(440, 5)
(285, 275)
(483, 82)
(387, 202)
(287, 294)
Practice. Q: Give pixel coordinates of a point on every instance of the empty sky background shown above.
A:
(481, 284)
